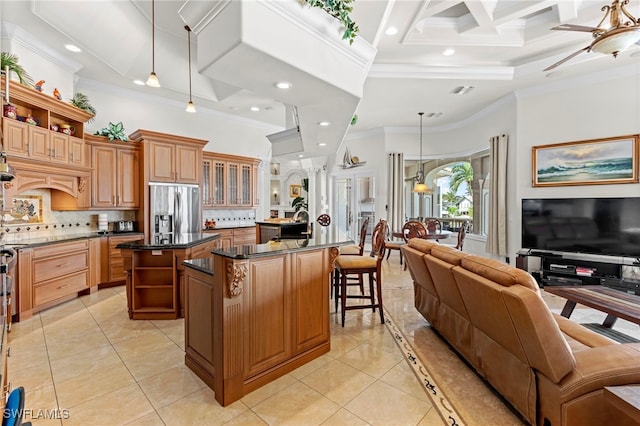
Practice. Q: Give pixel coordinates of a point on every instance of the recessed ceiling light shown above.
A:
(254, 108)
(300, 155)
(283, 85)
(322, 144)
(462, 90)
(448, 52)
(391, 31)
(324, 123)
(139, 82)
(73, 48)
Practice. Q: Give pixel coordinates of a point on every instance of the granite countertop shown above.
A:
(227, 226)
(184, 240)
(204, 265)
(280, 224)
(54, 239)
(324, 237)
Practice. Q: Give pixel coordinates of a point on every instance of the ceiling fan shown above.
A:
(610, 39)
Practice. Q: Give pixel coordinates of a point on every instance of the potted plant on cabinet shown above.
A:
(10, 61)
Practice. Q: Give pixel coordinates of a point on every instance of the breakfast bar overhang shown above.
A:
(256, 312)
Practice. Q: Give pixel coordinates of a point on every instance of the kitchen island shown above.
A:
(155, 273)
(256, 312)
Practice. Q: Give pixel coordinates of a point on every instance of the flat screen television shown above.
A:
(605, 226)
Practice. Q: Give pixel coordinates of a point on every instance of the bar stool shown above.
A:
(346, 265)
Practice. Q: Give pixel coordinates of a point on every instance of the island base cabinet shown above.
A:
(256, 319)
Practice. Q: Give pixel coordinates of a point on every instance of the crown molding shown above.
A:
(14, 33)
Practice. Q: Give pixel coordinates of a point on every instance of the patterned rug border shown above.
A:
(437, 396)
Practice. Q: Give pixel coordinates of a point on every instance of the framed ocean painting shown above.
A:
(590, 162)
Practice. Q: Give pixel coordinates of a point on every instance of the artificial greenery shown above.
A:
(299, 202)
(81, 101)
(339, 9)
(113, 132)
(10, 60)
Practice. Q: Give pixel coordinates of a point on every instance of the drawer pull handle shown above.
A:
(63, 264)
(9, 351)
(62, 286)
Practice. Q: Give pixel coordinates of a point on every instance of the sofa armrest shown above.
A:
(580, 334)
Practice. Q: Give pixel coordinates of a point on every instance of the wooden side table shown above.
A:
(626, 399)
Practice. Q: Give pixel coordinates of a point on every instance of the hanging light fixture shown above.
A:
(190, 106)
(420, 187)
(153, 78)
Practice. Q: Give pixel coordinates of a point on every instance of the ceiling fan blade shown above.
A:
(562, 61)
(571, 27)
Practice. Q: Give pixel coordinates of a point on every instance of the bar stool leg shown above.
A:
(372, 293)
(379, 288)
(343, 296)
(336, 288)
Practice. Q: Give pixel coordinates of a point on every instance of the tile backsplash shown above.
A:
(230, 218)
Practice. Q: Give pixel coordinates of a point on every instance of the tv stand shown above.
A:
(568, 269)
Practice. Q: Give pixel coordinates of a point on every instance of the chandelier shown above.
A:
(420, 186)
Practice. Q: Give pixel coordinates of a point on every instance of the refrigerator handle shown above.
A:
(178, 212)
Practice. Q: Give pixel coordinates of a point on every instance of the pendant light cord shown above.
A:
(153, 36)
(186, 27)
(421, 170)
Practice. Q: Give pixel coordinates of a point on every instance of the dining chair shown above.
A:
(357, 265)
(433, 226)
(393, 244)
(324, 219)
(462, 232)
(412, 229)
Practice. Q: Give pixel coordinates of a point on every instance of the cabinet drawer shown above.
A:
(202, 250)
(56, 249)
(116, 270)
(60, 287)
(57, 266)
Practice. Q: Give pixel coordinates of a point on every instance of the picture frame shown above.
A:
(295, 190)
(590, 162)
(24, 209)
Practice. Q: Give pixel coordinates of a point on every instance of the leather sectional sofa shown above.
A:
(552, 370)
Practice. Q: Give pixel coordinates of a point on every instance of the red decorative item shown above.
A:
(56, 94)
(10, 111)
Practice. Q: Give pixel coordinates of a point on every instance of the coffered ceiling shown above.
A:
(499, 46)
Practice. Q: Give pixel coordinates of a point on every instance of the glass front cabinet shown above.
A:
(229, 181)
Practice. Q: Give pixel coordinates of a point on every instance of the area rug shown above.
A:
(438, 398)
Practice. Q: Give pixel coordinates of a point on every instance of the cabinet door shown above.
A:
(245, 185)
(233, 184)
(187, 164)
(40, 144)
(207, 196)
(128, 178)
(255, 198)
(162, 162)
(219, 179)
(78, 152)
(16, 137)
(59, 147)
(104, 177)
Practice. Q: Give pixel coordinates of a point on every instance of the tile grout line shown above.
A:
(437, 396)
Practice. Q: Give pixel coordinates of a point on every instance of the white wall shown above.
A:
(604, 105)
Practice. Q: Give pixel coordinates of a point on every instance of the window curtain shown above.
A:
(497, 232)
(395, 183)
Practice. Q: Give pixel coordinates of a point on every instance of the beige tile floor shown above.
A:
(86, 359)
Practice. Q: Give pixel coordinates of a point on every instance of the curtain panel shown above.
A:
(497, 232)
(395, 185)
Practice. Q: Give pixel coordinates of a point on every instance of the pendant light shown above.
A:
(153, 78)
(420, 187)
(190, 106)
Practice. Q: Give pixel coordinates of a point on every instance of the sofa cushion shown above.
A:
(449, 254)
(424, 246)
(499, 272)
(579, 337)
(426, 297)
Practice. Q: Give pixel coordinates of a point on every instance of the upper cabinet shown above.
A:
(229, 180)
(35, 134)
(116, 173)
(170, 158)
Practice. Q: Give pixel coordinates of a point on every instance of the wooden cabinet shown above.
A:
(116, 174)
(153, 285)
(170, 158)
(112, 261)
(53, 273)
(229, 181)
(37, 142)
(233, 236)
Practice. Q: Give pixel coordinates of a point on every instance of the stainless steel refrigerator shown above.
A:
(175, 210)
